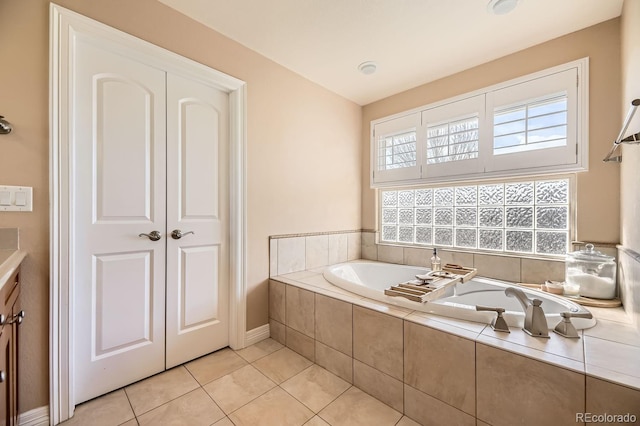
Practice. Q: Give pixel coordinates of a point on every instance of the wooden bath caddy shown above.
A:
(421, 291)
(581, 300)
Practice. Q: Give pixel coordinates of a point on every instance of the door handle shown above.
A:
(176, 234)
(153, 235)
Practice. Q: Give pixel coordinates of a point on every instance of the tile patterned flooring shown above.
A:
(263, 384)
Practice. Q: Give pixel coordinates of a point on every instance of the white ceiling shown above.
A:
(412, 41)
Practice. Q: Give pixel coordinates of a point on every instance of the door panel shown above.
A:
(198, 306)
(116, 275)
(118, 187)
(123, 110)
(197, 201)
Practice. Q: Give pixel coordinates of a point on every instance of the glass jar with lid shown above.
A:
(590, 273)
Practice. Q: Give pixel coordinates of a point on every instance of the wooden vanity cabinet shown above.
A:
(11, 317)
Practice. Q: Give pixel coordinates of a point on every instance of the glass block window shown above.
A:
(453, 140)
(397, 151)
(538, 124)
(519, 217)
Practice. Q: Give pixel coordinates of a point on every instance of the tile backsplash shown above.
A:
(508, 268)
(293, 253)
(9, 239)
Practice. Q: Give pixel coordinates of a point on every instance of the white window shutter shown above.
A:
(395, 151)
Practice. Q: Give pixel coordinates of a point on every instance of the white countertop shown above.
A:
(9, 262)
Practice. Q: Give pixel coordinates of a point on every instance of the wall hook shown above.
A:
(5, 126)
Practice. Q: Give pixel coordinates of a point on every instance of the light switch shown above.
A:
(5, 198)
(16, 198)
(21, 198)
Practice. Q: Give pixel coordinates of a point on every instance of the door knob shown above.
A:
(17, 318)
(177, 234)
(153, 235)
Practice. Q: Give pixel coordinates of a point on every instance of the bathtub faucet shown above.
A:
(535, 322)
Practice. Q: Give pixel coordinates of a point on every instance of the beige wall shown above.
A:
(598, 189)
(303, 149)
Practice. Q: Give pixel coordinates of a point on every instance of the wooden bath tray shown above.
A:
(418, 291)
(581, 300)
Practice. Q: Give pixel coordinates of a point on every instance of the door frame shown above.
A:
(65, 26)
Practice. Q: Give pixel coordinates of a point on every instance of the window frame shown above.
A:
(571, 158)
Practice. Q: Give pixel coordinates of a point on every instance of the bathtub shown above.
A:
(369, 279)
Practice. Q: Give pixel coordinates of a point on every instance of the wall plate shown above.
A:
(16, 198)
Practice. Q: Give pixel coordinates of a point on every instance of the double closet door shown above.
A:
(149, 218)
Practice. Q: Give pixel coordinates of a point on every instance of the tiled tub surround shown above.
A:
(438, 370)
(293, 253)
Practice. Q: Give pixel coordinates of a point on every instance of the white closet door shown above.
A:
(197, 206)
(118, 190)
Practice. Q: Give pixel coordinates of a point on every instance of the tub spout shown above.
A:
(535, 322)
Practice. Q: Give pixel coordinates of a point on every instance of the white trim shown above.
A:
(257, 334)
(36, 417)
(64, 25)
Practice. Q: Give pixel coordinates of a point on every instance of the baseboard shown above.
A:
(257, 334)
(36, 417)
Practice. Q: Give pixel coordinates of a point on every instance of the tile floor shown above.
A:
(264, 384)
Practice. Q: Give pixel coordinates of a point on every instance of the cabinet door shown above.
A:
(6, 401)
(197, 205)
(118, 192)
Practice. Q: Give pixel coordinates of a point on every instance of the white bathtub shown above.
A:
(369, 279)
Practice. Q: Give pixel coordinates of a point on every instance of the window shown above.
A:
(536, 125)
(532, 125)
(454, 140)
(530, 216)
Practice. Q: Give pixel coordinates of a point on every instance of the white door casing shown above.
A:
(197, 190)
(67, 27)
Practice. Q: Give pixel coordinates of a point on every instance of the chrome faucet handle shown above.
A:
(535, 321)
(498, 323)
(565, 327)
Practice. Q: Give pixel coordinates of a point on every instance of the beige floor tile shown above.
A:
(315, 387)
(282, 365)
(132, 422)
(223, 422)
(160, 389)
(234, 390)
(193, 409)
(215, 365)
(355, 408)
(110, 409)
(275, 408)
(259, 350)
(316, 421)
